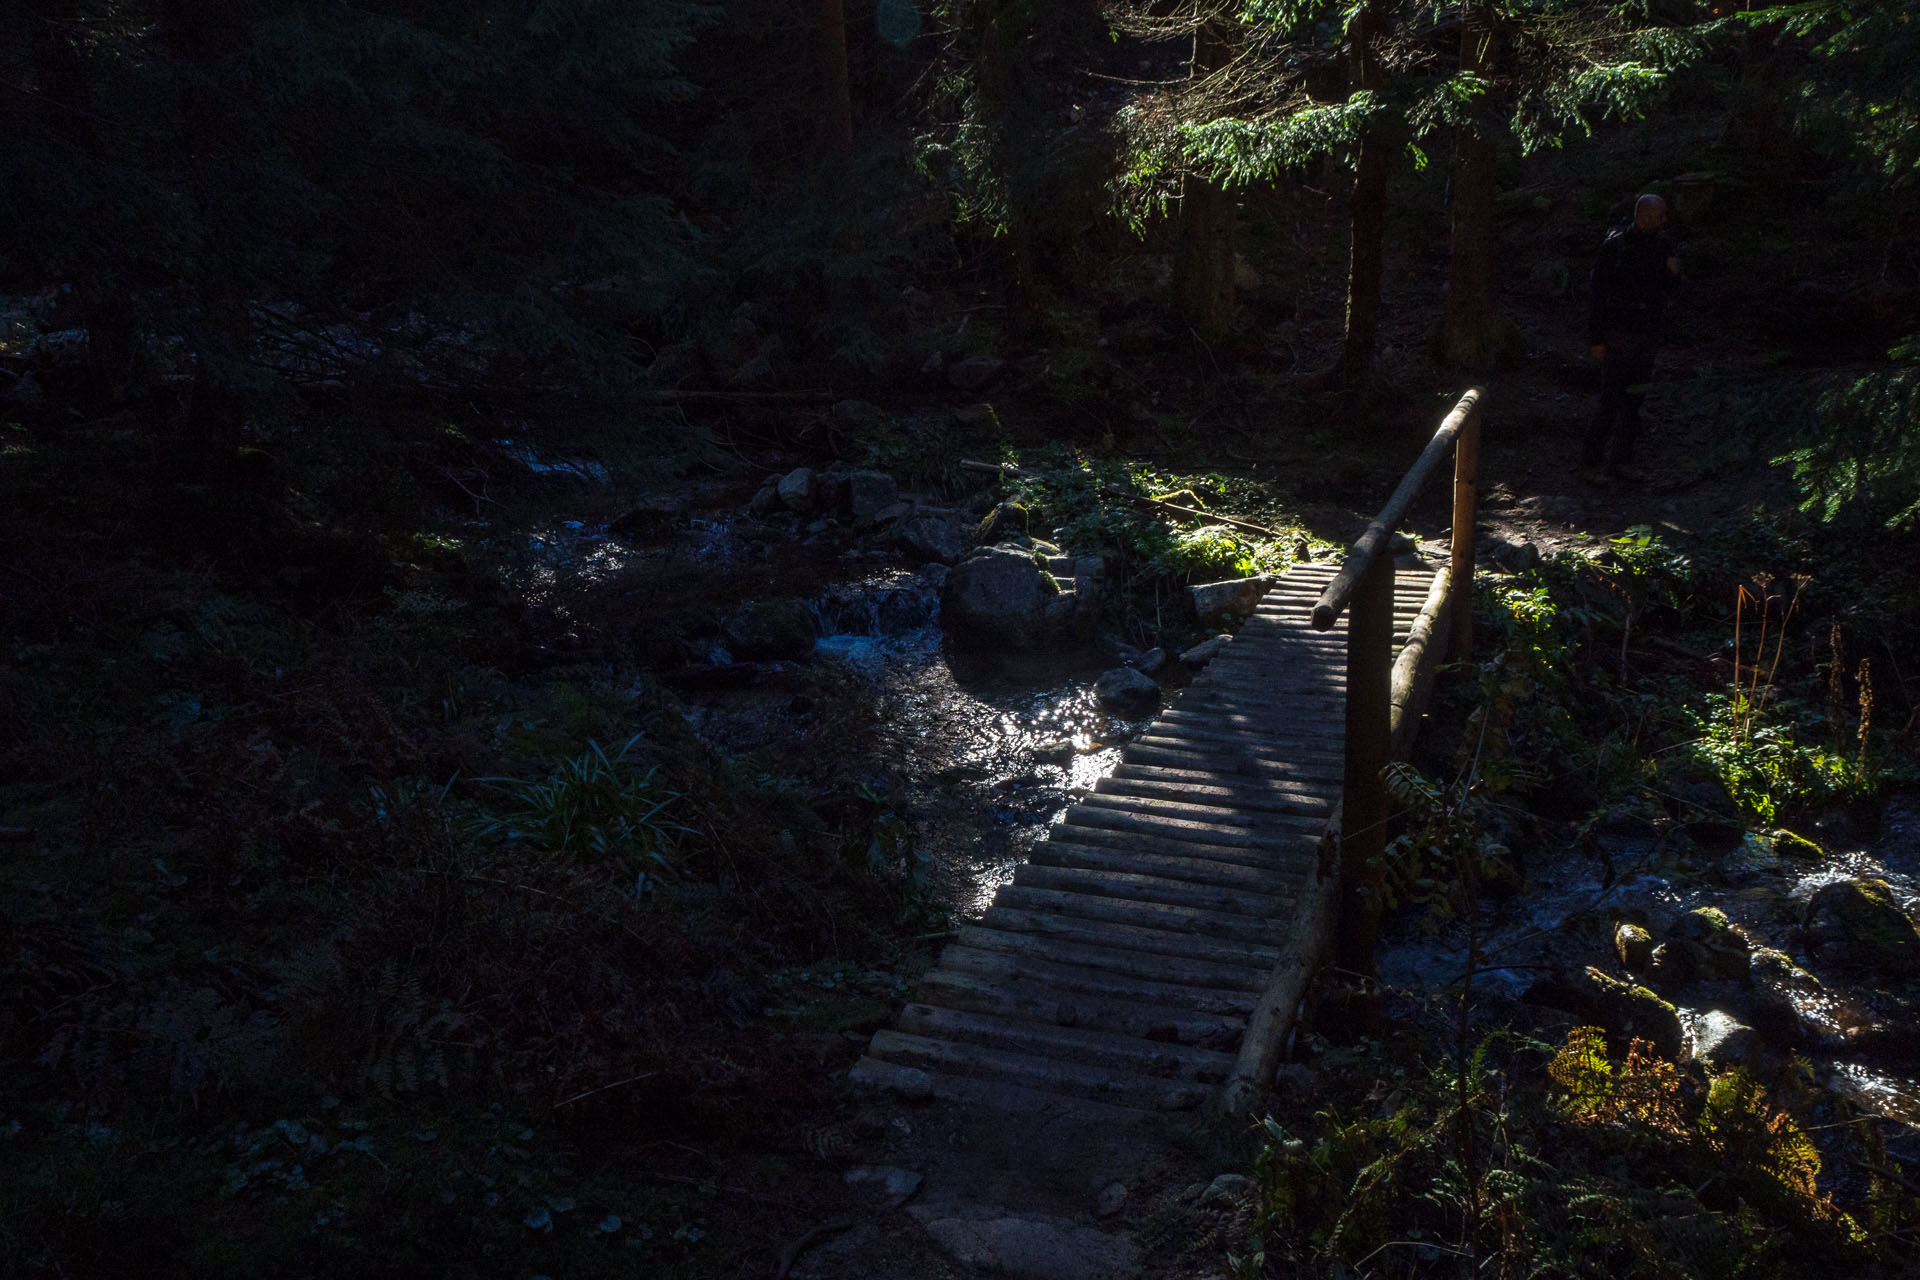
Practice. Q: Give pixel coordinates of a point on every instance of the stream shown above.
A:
(981, 753)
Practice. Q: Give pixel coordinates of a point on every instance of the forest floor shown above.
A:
(284, 995)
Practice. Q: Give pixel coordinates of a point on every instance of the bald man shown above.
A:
(1637, 267)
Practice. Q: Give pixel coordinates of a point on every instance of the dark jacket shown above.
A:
(1630, 282)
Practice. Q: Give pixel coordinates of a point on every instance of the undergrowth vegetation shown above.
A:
(336, 937)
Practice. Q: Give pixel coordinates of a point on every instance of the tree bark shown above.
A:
(1472, 334)
(836, 97)
(1203, 250)
(1369, 216)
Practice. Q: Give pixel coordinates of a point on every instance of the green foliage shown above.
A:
(1862, 456)
(1520, 1159)
(1243, 152)
(1763, 760)
(592, 805)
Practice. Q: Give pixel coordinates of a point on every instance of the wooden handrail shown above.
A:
(1364, 588)
(1339, 592)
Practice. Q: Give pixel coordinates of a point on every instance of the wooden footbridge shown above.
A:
(1152, 953)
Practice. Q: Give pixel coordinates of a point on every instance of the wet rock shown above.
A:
(1005, 519)
(1206, 651)
(799, 490)
(1723, 1042)
(1127, 693)
(998, 595)
(1770, 1011)
(1226, 1191)
(898, 1185)
(934, 536)
(1634, 946)
(770, 629)
(892, 512)
(1858, 921)
(868, 492)
(654, 519)
(1031, 1248)
(1625, 1011)
(971, 373)
(1713, 948)
(1235, 598)
(1150, 662)
(1112, 1199)
(765, 501)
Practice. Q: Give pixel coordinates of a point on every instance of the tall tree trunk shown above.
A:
(836, 97)
(1369, 214)
(1472, 333)
(1203, 251)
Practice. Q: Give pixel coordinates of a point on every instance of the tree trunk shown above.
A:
(1203, 250)
(1472, 334)
(836, 98)
(1369, 215)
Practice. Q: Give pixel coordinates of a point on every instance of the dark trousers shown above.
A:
(1624, 373)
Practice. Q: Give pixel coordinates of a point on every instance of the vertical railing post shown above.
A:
(1466, 515)
(1363, 805)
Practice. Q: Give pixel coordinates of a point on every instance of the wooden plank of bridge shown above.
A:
(1122, 963)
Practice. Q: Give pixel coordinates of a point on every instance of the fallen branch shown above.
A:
(1141, 499)
(791, 1253)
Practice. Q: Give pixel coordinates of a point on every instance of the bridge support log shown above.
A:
(1363, 805)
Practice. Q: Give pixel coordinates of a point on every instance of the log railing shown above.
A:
(1383, 698)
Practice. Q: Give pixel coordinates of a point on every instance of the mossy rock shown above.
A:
(1789, 844)
(1634, 946)
(1860, 920)
(1626, 1010)
(1713, 947)
(1006, 519)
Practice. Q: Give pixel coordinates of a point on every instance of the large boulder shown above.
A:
(1128, 693)
(1858, 922)
(1234, 598)
(937, 536)
(998, 595)
(770, 629)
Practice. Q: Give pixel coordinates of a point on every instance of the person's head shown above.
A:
(1649, 213)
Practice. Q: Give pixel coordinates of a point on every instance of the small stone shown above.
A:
(975, 415)
(1150, 662)
(934, 363)
(770, 629)
(1128, 693)
(1634, 946)
(1113, 1198)
(798, 490)
(1206, 651)
(766, 500)
(651, 520)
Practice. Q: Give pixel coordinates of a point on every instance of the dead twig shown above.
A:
(791, 1252)
(617, 1084)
